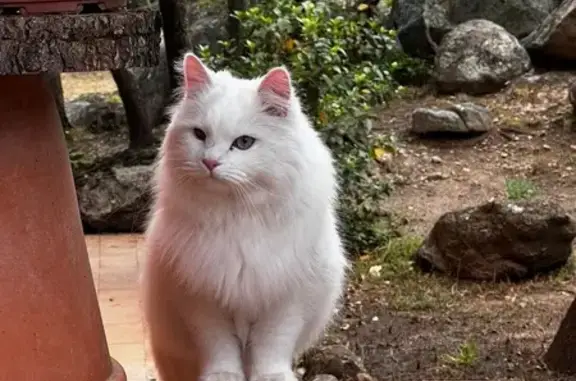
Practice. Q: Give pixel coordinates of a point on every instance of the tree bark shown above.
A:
(139, 123)
(54, 83)
(233, 25)
(175, 37)
(78, 42)
(561, 355)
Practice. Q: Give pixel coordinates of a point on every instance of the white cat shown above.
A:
(245, 263)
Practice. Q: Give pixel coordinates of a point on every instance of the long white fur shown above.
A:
(244, 269)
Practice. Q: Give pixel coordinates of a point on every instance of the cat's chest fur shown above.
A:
(244, 262)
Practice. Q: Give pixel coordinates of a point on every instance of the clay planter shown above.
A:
(31, 7)
(50, 325)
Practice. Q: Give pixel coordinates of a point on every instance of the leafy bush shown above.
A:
(342, 64)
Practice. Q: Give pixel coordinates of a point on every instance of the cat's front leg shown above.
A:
(221, 349)
(272, 343)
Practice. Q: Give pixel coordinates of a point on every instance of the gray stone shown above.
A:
(556, 36)
(115, 199)
(413, 18)
(431, 120)
(478, 57)
(335, 360)
(518, 17)
(476, 118)
(207, 23)
(324, 377)
(406, 16)
(96, 112)
(499, 241)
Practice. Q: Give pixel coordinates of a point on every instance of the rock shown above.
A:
(430, 120)
(436, 160)
(464, 118)
(364, 377)
(207, 23)
(518, 17)
(115, 199)
(413, 17)
(476, 118)
(556, 36)
(436, 176)
(478, 57)
(406, 18)
(324, 377)
(572, 96)
(335, 360)
(499, 241)
(96, 112)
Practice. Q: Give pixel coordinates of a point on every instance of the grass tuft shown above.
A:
(520, 189)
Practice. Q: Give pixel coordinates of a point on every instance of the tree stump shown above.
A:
(561, 355)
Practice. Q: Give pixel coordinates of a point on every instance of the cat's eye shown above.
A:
(243, 142)
(199, 134)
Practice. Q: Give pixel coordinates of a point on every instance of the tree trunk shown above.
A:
(54, 83)
(139, 123)
(175, 36)
(561, 355)
(233, 25)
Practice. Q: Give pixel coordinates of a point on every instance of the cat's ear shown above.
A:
(275, 91)
(196, 75)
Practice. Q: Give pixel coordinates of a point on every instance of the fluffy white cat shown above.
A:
(245, 263)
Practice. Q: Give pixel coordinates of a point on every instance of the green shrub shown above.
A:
(342, 64)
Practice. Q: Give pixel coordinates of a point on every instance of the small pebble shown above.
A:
(436, 176)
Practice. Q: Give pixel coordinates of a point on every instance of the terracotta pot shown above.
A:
(30, 7)
(50, 324)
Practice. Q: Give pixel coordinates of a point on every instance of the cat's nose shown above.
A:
(210, 164)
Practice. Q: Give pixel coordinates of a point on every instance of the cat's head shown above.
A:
(231, 134)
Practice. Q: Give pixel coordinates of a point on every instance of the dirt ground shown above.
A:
(418, 327)
(409, 326)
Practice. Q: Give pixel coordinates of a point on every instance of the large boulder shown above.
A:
(478, 57)
(413, 18)
(114, 192)
(96, 112)
(554, 42)
(499, 241)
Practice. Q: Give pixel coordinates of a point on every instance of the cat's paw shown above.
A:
(223, 376)
(280, 376)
